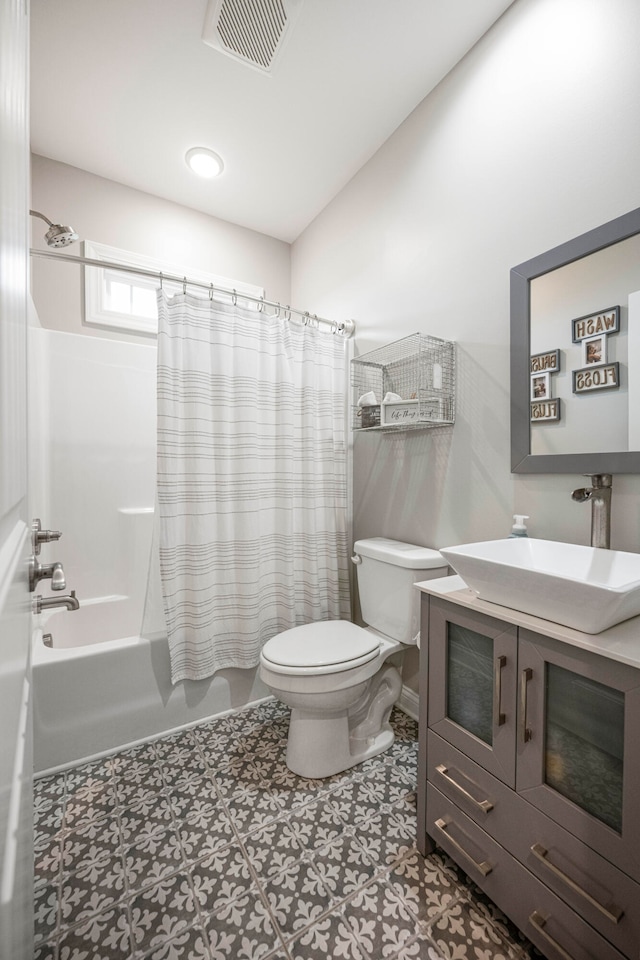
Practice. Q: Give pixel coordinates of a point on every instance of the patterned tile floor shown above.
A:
(204, 846)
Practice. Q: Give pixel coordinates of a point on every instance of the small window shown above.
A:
(126, 301)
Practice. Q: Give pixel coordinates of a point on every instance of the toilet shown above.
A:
(341, 680)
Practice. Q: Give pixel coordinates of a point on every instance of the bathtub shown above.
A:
(106, 680)
(93, 694)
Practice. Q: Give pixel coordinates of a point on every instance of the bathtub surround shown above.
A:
(252, 486)
(204, 846)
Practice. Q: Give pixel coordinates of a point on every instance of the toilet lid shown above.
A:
(329, 643)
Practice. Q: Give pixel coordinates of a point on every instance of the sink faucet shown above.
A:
(599, 493)
(45, 603)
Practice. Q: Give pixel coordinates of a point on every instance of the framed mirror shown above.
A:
(575, 354)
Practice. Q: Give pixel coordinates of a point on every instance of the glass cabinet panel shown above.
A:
(584, 743)
(470, 681)
(578, 758)
(472, 685)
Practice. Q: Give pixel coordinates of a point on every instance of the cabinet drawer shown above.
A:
(559, 932)
(592, 886)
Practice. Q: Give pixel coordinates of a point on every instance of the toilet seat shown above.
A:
(320, 648)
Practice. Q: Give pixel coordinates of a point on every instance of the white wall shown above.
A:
(112, 214)
(531, 140)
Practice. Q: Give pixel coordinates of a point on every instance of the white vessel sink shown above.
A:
(586, 588)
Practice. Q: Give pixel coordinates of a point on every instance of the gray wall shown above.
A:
(119, 216)
(531, 140)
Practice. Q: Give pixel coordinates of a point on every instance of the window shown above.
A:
(126, 301)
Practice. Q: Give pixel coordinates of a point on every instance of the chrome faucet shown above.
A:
(40, 536)
(599, 493)
(45, 603)
(42, 571)
(51, 571)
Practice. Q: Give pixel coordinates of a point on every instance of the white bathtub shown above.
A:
(92, 470)
(93, 694)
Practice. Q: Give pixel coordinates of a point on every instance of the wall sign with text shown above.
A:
(605, 376)
(545, 410)
(544, 407)
(594, 324)
(548, 362)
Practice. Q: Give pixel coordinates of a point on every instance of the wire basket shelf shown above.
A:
(419, 371)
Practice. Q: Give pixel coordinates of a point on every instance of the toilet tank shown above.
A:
(387, 570)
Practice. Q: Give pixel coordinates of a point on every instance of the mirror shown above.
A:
(575, 354)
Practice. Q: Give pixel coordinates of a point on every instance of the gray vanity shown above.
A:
(529, 768)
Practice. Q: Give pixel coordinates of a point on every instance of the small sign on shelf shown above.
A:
(400, 412)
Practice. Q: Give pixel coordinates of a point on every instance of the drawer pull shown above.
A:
(538, 921)
(484, 805)
(525, 677)
(612, 913)
(484, 867)
(498, 717)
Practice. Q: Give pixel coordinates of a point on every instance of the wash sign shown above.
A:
(606, 321)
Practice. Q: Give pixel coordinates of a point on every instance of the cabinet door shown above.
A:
(578, 758)
(472, 675)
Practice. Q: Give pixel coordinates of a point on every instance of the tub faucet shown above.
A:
(45, 603)
(599, 493)
(42, 571)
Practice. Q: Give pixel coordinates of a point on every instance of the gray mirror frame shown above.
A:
(522, 460)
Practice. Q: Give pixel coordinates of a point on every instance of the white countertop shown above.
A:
(621, 642)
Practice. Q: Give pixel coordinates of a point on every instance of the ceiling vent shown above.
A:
(251, 31)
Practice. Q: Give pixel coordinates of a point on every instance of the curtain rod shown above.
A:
(345, 328)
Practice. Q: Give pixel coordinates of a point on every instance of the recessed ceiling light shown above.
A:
(204, 162)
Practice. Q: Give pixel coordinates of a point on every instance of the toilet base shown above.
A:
(321, 744)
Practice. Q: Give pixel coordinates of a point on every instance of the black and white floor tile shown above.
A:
(204, 846)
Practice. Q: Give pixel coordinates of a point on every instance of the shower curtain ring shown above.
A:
(278, 311)
(234, 299)
(335, 327)
(161, 279)
(211, 292)
(306, 318)
(184, 286)
(260, 305)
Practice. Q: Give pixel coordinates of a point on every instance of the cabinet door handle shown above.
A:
(484, 867)
(498, 717)
(538, 921)
(525, 677)
(484, 805)
(612, 913)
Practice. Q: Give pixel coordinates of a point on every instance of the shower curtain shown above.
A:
(252, 491)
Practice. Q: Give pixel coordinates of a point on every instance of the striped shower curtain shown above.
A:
(252, 493)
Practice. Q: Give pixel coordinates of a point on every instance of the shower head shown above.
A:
(56, 235)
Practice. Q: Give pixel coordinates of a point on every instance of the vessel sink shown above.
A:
(586, 588)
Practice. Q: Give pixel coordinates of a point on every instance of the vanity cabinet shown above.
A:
(529, 775)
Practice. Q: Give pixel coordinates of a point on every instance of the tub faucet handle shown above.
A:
(41, 571)
(40, 536)
(58, 579)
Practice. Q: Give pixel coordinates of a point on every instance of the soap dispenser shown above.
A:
(518, 529)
